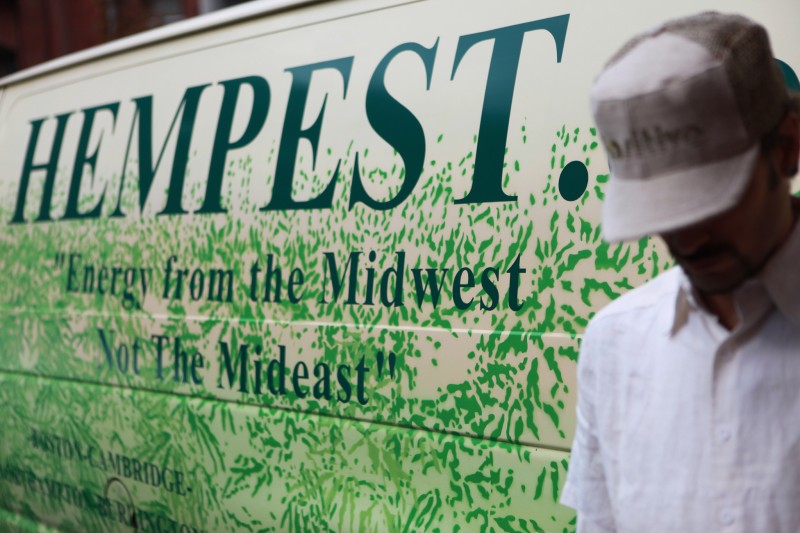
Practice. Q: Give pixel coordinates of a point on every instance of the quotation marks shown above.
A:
(379, 358)
(61, 258)
(573, 181)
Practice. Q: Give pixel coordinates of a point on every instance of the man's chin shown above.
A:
(715, 284)
(717, 274)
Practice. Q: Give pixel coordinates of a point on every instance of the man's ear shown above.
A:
(788, 145)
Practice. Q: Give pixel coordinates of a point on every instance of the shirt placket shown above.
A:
(724, 436)
(752, 306)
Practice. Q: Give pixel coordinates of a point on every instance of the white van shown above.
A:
(311, 266)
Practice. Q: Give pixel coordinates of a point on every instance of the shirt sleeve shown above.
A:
(586, 489)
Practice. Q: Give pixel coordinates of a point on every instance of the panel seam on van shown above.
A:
(143, 390)
(299, 323)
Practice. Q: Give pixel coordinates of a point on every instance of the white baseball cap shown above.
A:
(681, 111)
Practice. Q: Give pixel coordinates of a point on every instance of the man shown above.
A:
(689, 387)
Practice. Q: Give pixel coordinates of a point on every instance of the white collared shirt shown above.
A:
(684, 426)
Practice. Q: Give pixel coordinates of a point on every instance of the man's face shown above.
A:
(720, 253)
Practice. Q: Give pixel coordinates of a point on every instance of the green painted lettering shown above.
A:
(396, 125)
(222, 140)
(84, 158)
(147, 170)
(230, 366)
(48, 166)
(293, 132)
(487, 181)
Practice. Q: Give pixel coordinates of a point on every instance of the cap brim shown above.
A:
(635, 208)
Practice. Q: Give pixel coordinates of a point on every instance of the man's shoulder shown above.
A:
(615, 337)
(639, 303)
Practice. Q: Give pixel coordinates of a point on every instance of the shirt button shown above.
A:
(724, 434)
(726, 517)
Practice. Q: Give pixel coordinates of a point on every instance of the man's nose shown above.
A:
(687, 241)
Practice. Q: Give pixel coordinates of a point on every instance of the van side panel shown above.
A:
(312, 210)
(85, 456)
(325, 269)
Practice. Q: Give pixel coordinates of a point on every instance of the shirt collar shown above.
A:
(685, 302)
(779, 275)
(778, 279)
